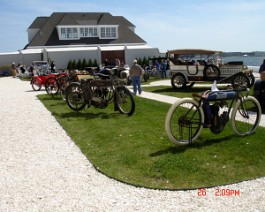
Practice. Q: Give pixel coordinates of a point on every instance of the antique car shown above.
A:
(41, 67)
(188, 66)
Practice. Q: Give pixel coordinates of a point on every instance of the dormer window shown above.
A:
(69, 33)
(108, 32)
(88, 32)
(77, 32)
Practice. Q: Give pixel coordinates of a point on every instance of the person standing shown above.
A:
(164, 69)
(136, 72)
(53, 67)
(262, 71)
(14, 70)
(157, 67)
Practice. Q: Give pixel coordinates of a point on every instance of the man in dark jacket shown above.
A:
(262, 71)
(53, 67)
(262, 67)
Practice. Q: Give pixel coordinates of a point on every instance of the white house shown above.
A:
(72, 36)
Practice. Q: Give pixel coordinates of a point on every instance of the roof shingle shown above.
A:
(47, 35)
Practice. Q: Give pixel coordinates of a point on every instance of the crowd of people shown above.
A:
(20, 70)
(136, 71)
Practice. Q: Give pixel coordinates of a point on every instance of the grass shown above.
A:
(185, 92)
(136, 149)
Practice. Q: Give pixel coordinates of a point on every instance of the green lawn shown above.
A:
(136, 149)
(185, 92)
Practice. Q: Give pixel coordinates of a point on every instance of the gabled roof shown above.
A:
(47, 34)
(38, 22)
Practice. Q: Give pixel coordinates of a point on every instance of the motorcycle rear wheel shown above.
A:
(51, 86)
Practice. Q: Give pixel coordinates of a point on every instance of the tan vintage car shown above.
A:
(188, 66)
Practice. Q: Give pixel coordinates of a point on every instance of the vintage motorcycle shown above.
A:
(44, 80)
(100, 91)
(212, 109)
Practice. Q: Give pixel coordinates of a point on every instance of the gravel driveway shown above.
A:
(41, 169)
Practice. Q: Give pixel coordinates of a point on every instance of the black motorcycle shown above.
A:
(99, 92)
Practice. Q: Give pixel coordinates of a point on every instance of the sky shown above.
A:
(227, 25)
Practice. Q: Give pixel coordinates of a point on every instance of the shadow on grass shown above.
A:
(86, 115)
(184, 90)
(197, 145)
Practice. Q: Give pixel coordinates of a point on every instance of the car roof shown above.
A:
(192, 51)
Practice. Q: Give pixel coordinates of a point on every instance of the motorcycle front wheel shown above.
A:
(36, 85)
(124, 101)
(246, 116)
(75, 97)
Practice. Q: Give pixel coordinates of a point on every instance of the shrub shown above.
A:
(5, 70)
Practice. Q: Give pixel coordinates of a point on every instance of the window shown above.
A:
(102, 32)
(69, 33)
(93, 32)
(63, 34)
(108, 32)
(113, 32)
(77, 32)
(83, 32)
(88, 32)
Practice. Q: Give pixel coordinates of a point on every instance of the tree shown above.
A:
(90, 63)
(74, 64)
(70, 65)
(95, 63)
(79, 65)
(84, 64)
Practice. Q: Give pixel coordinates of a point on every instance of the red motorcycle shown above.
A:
(47, 80)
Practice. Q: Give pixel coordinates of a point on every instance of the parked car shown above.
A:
(188, 66)
(41, 67)
(124, 74)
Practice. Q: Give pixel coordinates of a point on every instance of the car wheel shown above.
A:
(211, 72)
(240, 81)
(178, 81)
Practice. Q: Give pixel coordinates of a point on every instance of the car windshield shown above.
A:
(191, 55)
(40, 63)
(42, 67)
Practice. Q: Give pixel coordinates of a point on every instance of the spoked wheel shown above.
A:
(241, 81)
(245, 116)
(51, 86)
(75, 97)
(63, 84)
(62, 92)
(178, 81)
(211, 72)
(184, 121)
(36, 86)
(124, 100)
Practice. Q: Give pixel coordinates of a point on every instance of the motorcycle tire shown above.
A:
(124, 100)
(75, 97)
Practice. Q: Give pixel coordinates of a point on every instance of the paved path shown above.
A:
(41, 169)
(171, 100)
